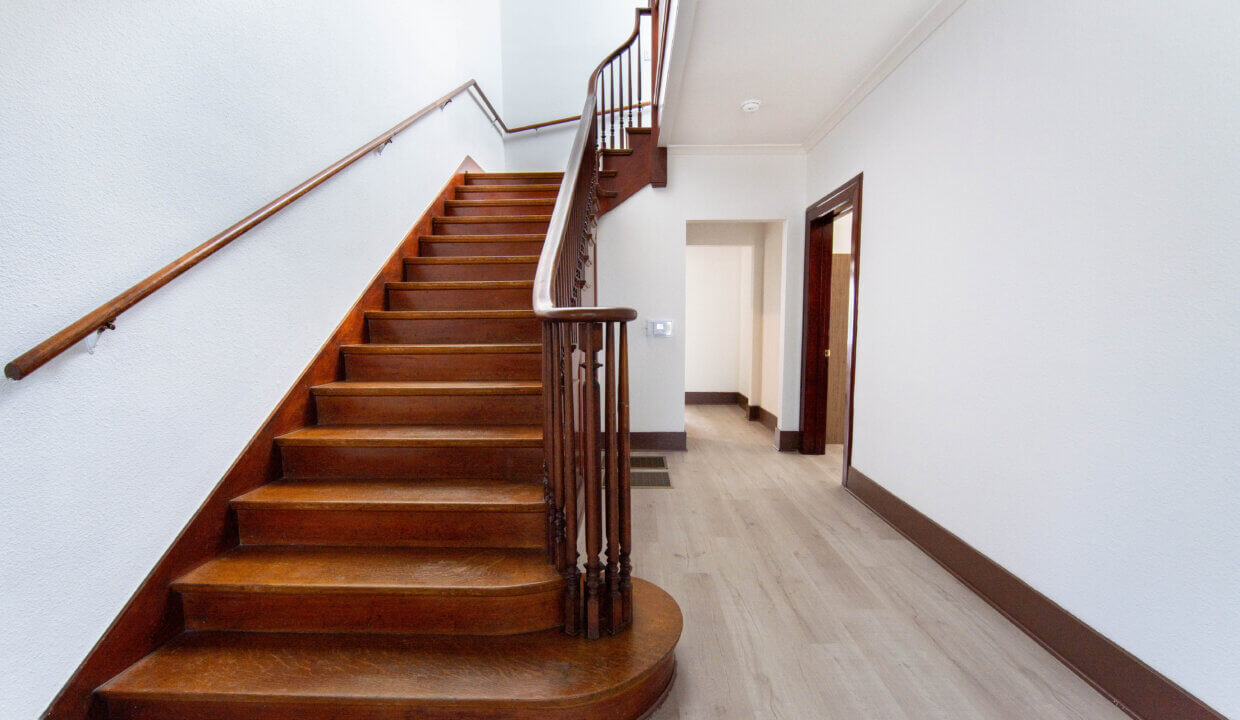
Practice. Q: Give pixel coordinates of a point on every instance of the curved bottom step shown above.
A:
(279, 676)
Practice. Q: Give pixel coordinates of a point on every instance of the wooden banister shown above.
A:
(585, 367)
(103, 317)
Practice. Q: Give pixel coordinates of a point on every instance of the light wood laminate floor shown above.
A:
(800, 603)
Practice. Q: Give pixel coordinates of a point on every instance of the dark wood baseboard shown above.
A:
(742, 402)
(711, 398)
(767, 418)
(788, 440)
(659, 441)
(1133, 686)
(752, 412)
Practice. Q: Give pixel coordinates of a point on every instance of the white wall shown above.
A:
(641, 250)
(1049, 313)
(712, 327)
(549, 49)
(128, 134)
(749, 363)
(773, 330)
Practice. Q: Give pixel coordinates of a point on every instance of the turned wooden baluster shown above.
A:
(555, 462)
(615, 605)
(593, 481)
(570, 572)
(625, 482)
(548, 474)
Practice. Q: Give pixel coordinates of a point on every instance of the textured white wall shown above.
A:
(712, 318)
(641, 249)
(773, 330)
(128, 134)
(1049, 313)
(750, 313)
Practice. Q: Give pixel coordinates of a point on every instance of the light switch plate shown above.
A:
(659, 328)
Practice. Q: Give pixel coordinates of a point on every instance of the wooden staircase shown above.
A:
(400, 568)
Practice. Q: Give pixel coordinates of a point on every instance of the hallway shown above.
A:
(801, 604)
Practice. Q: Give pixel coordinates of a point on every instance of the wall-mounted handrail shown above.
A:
(103, 316)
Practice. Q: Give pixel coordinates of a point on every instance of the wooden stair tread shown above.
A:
(450, 314)
(489, 219)
(463, 285)
(505, 237)
(413, 436)
(472, 259)
(394, 570)
(515, 175)
(500, 202)
(372, 494)
(429, 387)
(441, 348)
(510, 188)
(617, 151)
(547, 670)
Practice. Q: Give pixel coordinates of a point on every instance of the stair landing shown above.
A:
(545, 675)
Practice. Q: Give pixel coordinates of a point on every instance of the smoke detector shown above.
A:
(751, 105)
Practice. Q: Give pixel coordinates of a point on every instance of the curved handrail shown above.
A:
(544, 304)
(103, 316)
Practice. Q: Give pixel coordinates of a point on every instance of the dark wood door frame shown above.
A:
(815, 339)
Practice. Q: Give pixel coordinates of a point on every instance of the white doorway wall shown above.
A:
(733, 318)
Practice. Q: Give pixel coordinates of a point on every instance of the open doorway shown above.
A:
(733, 317)
(828, 366)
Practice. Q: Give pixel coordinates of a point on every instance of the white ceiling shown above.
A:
(806, 60)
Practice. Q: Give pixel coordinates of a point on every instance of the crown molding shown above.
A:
(912, 40)
(768, 149)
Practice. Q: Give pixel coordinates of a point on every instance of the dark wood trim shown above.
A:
(815, 339)
(660, 441)
(1133, 686)
(153, 614)
(753, 412)
(767, 418)
(712, 398)
(787, 440)
(742, 402)
(819, 237)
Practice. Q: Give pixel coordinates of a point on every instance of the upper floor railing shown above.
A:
(104, 317)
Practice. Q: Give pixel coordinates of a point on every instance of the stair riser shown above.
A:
(374, 613)
(470, 271)
(469, 366)
(474, 463)
(264, 526)
(488, 210)
(516, 193)
(519, 227)
(429, 409)
(454, 330)
(487, 249)
(486, 299)
(475, 180)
